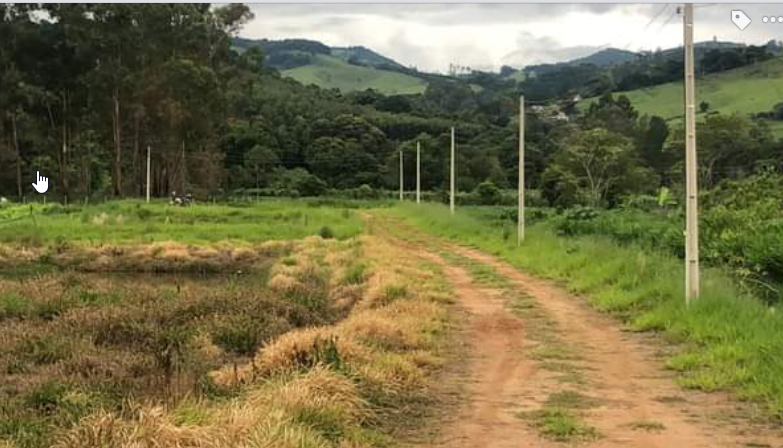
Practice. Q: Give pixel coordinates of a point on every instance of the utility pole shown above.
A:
(401, 176)
(451, 180)
(418, 172)
(691, 189)
(148, 174)
(521, 187)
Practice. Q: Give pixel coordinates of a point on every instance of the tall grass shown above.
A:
(727, 339)
(131, 221)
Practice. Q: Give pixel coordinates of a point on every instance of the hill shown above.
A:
(747, 90)
(607, 57)
(364, 56)
(345, 68)
(329, 72)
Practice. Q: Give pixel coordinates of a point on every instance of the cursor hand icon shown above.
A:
(41, 183)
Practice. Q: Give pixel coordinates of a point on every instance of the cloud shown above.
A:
(432, 36)
(540, 50)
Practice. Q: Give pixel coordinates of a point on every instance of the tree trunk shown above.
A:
(61, 163)
(63, 158)
(18, 154)
(183, 170)
(136, 171)
(117, 143)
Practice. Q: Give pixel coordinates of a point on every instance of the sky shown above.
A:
(487, 36)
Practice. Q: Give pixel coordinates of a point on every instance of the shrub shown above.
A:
(326, 232)
(488, 193)
(366, 192)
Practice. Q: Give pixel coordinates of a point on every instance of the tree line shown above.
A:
(86, 89)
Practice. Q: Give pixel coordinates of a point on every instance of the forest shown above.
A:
(88, 89)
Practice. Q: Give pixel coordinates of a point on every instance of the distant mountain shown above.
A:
(615, 56)
(700, 49)
(345, 68)
(607, 57)
(364, 56)
(287, 54)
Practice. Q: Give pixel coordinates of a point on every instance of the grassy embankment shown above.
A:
(727, 340)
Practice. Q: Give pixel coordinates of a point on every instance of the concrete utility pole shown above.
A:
(521, 187)
(451, 197)
(401, 177)
(691, 190)
(148, 174)
(418, 172)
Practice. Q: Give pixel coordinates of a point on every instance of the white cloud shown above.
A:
(478, 35)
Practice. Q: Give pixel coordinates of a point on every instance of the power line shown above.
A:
(646, 27)
(673, 14)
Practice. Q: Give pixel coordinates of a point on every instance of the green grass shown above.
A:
(727, 339)
(330, 72)
(131, 221)
(746, 90)
(560, 425)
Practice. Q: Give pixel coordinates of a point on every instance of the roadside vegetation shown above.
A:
(723, 340)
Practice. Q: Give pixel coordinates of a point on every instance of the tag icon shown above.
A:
(41, 183)
(740, 19)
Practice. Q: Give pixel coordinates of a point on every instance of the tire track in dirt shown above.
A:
(496, 373)
(637, 402)
(630, 380)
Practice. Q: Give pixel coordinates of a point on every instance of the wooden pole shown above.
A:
(451, 178)
(148, 174)
(521, 186)
(401, 177)
(691, 190)
(418, 172)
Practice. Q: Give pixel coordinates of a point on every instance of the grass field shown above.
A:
(723, 339)
(306, 346)
(746, 91)
(132, 221)
(329, 72)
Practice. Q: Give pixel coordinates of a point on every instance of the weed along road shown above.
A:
(545, 370)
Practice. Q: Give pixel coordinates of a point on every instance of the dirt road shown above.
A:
(545, 370)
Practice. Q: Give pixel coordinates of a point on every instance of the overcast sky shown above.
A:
(431, 37)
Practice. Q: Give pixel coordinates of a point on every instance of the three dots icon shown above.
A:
(772, 19)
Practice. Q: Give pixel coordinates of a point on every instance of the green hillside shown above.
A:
(331, 72)
(746, 90)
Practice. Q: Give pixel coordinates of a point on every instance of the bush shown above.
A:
(488, 193)
(238, 336)
(366, 192)
(326, 232)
